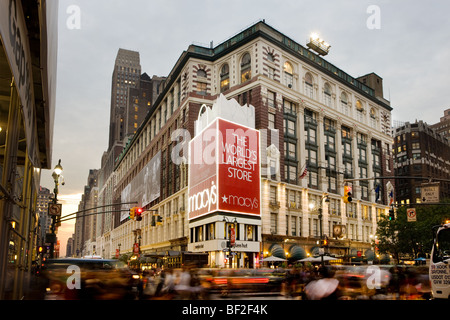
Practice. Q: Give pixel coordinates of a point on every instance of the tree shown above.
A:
(400, 237)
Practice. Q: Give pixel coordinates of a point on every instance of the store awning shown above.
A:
(277, 251)
(297, 253)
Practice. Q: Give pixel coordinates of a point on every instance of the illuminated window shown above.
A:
(359, 111)
(201, 88)
(246, 71)
(225, 78)
(288, 74)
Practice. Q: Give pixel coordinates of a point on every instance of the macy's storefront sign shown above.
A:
(224, 170)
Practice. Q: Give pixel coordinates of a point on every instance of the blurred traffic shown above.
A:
(101, 279)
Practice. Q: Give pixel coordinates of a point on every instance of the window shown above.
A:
(362, 172)
(289, 107)
(271, 99)
(327, 95)
(270, 57)
(201, 85)
(273, 223)
(362, 154)
(290, 128)
(288, 74)
(359, 111)
(308, 85)
(416, 156)
(291, 150)
(250, 232)
(373, 119)
(346, 133)
(246, 71)
(224, 78)
(271, 120)
(310, 136)
(330, 143)
(271, 73)
(345, 109)
(201, 73)
(311, 157)
(293, 226)
(201, 88)
(273, 194)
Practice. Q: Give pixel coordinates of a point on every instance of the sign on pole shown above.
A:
(411, 214)
(430, 192)
(55, 209)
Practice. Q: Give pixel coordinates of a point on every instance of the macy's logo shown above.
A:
(241, 201)
(203, 199)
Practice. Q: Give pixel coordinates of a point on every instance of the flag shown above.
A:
(377, 193)
(391, 196)
(305, 172)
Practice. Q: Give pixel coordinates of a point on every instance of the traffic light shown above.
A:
(324, 242)
(153, 223)
(391, 214)
(159, 220)
(347, 194)
(138, 213)
(132, 213)
(156, 220)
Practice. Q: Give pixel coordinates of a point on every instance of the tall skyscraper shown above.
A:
(132, 96)
(126, 75)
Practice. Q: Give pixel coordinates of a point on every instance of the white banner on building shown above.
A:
(144, 188)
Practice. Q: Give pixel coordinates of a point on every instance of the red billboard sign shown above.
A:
(224, 172)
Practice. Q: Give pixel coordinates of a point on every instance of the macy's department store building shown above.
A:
(224, 189)
(244, 195)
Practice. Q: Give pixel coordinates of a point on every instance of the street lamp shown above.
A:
(232, 236)
(56, 175)
(311, 206)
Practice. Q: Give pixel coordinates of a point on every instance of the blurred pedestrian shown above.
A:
(325, 288)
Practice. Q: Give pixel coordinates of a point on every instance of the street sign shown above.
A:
(411, 214)
(54, 209)
(430, 192)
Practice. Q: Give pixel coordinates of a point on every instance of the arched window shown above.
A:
(246, 70)
(201, 73)
(373, 118)
(344, 104)
(327, 94)
(288, 74)
(201, 81)
(308, 85)
(224, 78)
(270, 57)
(359, 111)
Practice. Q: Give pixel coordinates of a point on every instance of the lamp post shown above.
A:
(311, 206)
(56, 175)
(232, 236)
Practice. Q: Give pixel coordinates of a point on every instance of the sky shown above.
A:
(404, 42)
